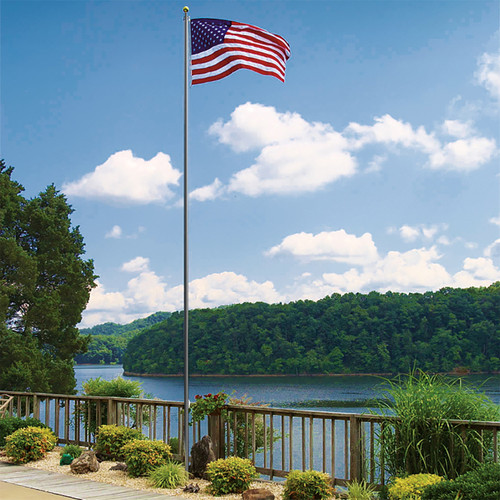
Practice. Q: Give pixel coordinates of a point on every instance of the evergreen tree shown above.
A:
(44, 287)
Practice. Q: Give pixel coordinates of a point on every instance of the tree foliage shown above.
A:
(352, 333)
(44, 287)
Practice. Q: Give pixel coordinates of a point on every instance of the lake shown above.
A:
(346, 394)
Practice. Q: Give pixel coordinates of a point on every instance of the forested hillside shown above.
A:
(109, 340)
(352, 333)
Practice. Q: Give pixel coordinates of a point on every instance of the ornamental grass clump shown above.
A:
(411, 487)
(360, 490)
(171, 475)
(307, 485)
(29, 443)
(112, 438)
(230, 475)
(423, 440)
(142, 457)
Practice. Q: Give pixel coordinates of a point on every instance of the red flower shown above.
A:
(209, 395)
(197, 396)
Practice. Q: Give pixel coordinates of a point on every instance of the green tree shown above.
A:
(44, 287)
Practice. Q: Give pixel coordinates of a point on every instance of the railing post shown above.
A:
(355, 448)
(216, 433)
(111, 412)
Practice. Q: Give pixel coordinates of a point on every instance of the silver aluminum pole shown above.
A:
(186, 274)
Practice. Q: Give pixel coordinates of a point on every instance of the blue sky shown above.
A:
(373, 167)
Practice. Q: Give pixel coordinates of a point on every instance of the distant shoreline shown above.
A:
(163, 375)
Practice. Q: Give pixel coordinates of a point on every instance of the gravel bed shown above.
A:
(120, 478)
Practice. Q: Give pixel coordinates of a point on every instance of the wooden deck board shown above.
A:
(75, 487)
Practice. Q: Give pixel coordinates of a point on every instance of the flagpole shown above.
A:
(186, 267)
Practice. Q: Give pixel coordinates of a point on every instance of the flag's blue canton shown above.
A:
(205, 33)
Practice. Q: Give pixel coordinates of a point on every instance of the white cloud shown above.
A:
(209, 192)
(125, 178)
(412, 233)
(493, 250)
(476, 272)
(409, 233)
(115, 232)
(136, 265)
(464, 154)
(488, 73)
(147, 293)
(495, 220)
(457, 128)
(295, 155)
(337, 246)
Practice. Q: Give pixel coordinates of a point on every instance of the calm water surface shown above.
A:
(346, 394)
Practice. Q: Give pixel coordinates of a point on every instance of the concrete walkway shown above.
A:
(23, 483)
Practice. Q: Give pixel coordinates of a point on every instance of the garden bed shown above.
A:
(120, 478)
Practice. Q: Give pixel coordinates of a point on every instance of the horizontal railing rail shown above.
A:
(344, 445)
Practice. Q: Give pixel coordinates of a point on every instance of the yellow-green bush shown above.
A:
(230, 475)
(143, 456)
(112, 438)
(307, 485)
(30, 443)
(411, 487)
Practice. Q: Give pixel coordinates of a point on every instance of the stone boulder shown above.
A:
(258, 494)
(85, 463)
(202, 454)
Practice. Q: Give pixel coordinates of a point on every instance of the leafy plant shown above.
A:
(8, 425)
(230, 475)
(143, 456)
(423, 440)
(112, 438)
(411, 487)
(29, 443)
(118, 388)
(309, 484)
(207, 405)
(360, 490)
(482, 483)
(174, 445)
(247, 429)
(72, 449)
(171, 475)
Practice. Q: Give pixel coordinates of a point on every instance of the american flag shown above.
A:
(219, 48)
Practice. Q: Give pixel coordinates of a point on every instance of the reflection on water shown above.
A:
(346, 394)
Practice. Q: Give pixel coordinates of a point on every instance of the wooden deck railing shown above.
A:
(277, 440)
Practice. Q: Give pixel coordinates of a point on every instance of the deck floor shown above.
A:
(68, 486)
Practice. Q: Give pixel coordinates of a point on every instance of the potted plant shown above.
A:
(209, 404)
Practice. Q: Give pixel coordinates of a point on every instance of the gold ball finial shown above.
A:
(185, 8)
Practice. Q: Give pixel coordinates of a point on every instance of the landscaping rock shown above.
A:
(202, 454)
(192, 488)
(85, 463)
(258, 494)
(119, 466)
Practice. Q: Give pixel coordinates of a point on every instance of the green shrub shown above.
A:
(118, 388)
(72, 449)
(307, 485)
(8, 425)
(411, 487)
(29, 443)
(360, 490)
(423, 441)
(112, 438)
(230, 475)
(480, 484)
(142, 456)
(174, 445)
(171, 475)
